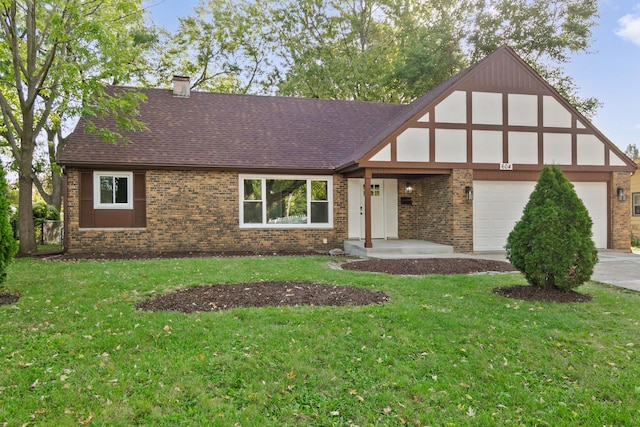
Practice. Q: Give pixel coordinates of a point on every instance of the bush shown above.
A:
(8, 245)
(551, 244)
(43, 211)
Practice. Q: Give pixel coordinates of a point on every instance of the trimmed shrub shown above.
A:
(8, 245)
(42, 211)
(551, 244)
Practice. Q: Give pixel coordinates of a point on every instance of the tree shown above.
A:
(8, 245)
(56, 57)
(632, 152)
(222, 46)
(543, 32)
(389, 50)
(551, 244)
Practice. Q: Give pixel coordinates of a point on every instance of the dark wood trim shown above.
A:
(111, 218)
(483, 175)
(609, 215)
(65, 195)
(469, 126)
(368, 242)
(505, 128)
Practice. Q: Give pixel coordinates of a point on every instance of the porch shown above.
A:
(389, 249)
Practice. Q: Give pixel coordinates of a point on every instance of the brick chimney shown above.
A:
(181, 86)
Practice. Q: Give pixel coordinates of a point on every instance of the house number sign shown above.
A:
(506, 166)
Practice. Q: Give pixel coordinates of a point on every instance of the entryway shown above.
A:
(384, 208)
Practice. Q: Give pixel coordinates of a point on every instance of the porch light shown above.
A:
(468, 193)
(408, 188)
(622, 196)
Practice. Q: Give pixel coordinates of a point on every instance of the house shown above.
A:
(635, 203)
(221, 172)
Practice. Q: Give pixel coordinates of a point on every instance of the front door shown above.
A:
(383, 208)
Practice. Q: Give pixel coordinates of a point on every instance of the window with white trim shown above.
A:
(635, 204)
(113, 190)
(285, 201)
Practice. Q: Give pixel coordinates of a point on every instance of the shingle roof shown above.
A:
(214, 130)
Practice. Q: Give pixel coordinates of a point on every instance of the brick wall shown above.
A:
(462, 234)
(408, 214)
(435, 215)
(198, 211)
(620, 212)
(441, 211)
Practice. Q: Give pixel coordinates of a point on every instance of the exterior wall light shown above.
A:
(468, 193)
(622, 196)
(408, 188)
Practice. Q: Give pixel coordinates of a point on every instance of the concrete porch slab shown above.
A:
(390, 249)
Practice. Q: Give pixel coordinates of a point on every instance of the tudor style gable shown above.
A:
(498, 115)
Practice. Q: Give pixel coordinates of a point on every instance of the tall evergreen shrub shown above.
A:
(551, 244)
(8, 245)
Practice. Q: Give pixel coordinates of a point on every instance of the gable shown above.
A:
(499, 115)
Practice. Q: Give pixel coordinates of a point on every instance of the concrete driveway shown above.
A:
(619, 269)
(615, 268)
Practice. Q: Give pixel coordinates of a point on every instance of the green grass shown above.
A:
(443, 351)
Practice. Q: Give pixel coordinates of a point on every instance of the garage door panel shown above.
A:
(498, 205)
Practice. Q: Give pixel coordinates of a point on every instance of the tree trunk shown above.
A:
(25, 206)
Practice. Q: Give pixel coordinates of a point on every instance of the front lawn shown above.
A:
(444, 350)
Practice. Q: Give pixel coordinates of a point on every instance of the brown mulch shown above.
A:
(127, 256)
(7, 298)
(429, 266)
(533, 293)
(262, 294)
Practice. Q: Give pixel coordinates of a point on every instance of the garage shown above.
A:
(498, 205)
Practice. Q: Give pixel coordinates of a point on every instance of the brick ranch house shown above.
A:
(221, 172)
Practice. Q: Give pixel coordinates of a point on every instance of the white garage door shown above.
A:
(498, 205)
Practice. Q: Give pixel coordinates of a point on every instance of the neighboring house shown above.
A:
(635, 203)
(220, 172)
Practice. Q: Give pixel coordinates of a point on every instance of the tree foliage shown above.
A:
(632, 152)
(396, 50)
(56, 56)
(222, 46)
(8, 246)
(551, 244)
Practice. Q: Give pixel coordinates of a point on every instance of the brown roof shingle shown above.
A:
(214, 130)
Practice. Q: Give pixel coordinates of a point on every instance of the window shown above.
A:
(285, 202)
(113, 190)
(635, 204)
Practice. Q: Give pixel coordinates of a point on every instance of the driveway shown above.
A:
(615, 268)
(619, 269)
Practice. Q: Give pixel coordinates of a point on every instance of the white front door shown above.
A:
(384, 209)
(377, 209)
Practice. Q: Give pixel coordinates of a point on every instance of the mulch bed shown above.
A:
(429, 266)
(262, 294)
(533, 293)
(7, 298)
(126, 256)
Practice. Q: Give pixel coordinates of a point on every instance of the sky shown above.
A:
(610, 72)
